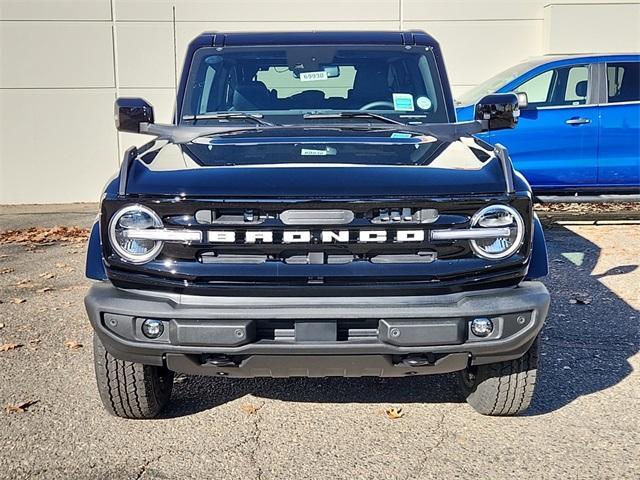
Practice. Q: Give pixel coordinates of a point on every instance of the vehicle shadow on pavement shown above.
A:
(591, 333)
(585, 349)
(202, 393)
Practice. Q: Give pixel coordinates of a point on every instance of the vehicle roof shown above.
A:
(542, 59)
(411, 37)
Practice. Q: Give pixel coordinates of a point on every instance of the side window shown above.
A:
(623, 82)
(562, 86)
(576, 87)
(537, 88)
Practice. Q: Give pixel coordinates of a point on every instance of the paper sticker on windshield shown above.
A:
(401, 135)
(311, 76)
(423, 103)
(403, 101)
(315, 152)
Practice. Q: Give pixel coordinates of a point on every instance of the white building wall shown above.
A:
(63, 63)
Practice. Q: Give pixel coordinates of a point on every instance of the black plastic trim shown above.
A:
(528, 297)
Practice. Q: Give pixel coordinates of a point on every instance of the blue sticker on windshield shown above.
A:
(403, 101)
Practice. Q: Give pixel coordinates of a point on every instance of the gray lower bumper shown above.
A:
(293, 336)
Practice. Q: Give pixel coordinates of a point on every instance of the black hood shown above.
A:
(300, 164)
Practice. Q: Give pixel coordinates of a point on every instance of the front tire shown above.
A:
(130, 390)
(502, 388)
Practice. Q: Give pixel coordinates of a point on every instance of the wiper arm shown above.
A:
(254, 117)
(332, 116)
(185, 134)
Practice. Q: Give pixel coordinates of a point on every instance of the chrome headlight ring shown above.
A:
(147, 249)
(511, 244)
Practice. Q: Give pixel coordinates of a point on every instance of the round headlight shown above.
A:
(134, 217)
(498, 217)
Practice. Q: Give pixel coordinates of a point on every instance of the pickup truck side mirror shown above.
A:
(498, 110)
(523, 100)
(131, 112)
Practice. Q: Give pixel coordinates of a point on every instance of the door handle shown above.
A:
(577, 121)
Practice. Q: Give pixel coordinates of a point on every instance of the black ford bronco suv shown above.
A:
(316, 210)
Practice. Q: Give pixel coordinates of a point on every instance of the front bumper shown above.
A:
(317, 336)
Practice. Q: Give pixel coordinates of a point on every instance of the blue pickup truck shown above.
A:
(579, 128)
(315, 210)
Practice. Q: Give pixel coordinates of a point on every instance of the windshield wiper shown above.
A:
(331, 116)
(254, 117)
(187, 133)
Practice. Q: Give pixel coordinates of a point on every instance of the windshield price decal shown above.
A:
(311, 76)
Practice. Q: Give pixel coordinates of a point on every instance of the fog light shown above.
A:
(481, 327)
(152, 328)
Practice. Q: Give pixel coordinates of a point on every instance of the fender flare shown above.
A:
(539, 264)
(95, 266)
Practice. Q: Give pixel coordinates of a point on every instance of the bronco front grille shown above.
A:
(263, 242)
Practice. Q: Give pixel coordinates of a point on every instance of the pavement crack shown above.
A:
(144, 467)
(425, 452)
(257, 433)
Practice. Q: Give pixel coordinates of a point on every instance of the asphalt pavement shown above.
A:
(584, 422)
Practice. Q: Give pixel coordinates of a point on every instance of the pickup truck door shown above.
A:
(619, 153)
(555, 144)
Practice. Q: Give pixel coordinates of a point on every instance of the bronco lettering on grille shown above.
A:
(307, 236)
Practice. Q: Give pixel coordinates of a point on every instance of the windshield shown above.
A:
(399, 81)
(494, 83)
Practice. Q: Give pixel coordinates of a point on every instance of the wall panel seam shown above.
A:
(116, 82)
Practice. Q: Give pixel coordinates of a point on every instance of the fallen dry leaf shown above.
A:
(180, 379)
(60, 265)
(72, 345)
(9, 346)
(45, 236)
(44, 290)
(394, 413)
(6, 270)
(23, 282)
(1, 325)
(19, 407)
(581, 298)
(19, 300)
(249, 408)
(47, 275)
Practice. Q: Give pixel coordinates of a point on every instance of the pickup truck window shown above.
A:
(623, 82)
(562, 86)
(494, 83)
(295, 80)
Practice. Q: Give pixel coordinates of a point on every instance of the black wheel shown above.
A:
(130, 390)
(503, 388)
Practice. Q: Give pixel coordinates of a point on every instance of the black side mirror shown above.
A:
(131, 112)
(498, 110)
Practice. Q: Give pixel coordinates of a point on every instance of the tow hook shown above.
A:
(416, 361)
(220, 361)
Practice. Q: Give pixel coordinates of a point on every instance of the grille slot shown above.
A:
(347, 330)
(316, 217)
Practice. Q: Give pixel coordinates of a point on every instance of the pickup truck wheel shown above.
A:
(503, 388)
(130, 390)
